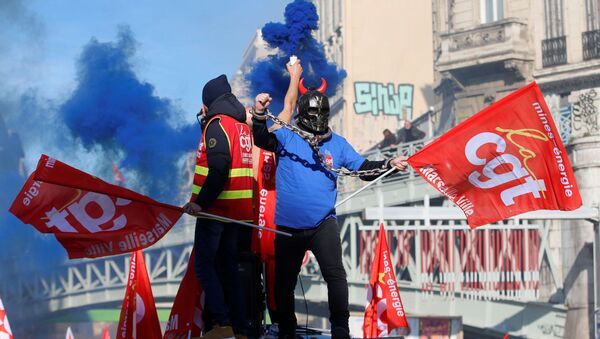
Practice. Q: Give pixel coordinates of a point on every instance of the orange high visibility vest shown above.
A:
(235, 201)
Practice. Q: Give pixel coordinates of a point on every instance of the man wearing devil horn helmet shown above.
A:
(305, 207)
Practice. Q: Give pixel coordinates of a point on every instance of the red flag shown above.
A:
(105, 333)
(138, 307)
(186, 315)
(69, 333)
(384, 311)
(5, 332)
(117, 175)
(263, 242)
(88, 216)
(506, 160)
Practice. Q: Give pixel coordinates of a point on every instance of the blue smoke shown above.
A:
(293, 37)
(111, 108)
(25, 250)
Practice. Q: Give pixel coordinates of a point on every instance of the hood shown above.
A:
(227, 104)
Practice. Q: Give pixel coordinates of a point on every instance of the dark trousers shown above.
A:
(215, 264)
(324, 242)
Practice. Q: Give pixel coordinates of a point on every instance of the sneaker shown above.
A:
(272, 332)
(219, 332)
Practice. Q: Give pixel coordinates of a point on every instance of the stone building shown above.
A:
(485, 49)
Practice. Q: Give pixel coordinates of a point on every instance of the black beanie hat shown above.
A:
(214, 89)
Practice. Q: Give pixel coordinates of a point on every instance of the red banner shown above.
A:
(89, 217)
(264, 242)
(105, 333)
(384, 311)
(138, 307)
(185, 319)
(506, 160)
(5, 331)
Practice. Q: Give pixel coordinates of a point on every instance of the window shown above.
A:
(591, 38)
(553, 18)
(554, 46)
(592, 14)
(491, 10)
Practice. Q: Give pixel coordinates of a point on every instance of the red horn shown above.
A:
(301, 87)
(323, 86)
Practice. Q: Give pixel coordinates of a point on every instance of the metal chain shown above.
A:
(313, 142)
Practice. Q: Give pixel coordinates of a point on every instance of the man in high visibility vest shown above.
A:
(222, 186)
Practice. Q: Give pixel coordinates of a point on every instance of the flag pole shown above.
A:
(200, 214)
(365, 187)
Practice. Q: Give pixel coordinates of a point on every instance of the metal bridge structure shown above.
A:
(501, 278)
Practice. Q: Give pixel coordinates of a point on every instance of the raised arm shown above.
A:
(263, 138)
(291, 96)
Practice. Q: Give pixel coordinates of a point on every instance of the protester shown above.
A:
(289, 103)
(389, 139)
(306, 194)
(409, 133)
(222, 186)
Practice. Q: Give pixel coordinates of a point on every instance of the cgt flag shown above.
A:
(185, 319)
(506, 160)
(384, 311)
(263, 243)
(89, 217)
(138, 314)
(5, 332)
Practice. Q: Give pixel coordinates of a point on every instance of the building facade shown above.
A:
(485, 49)
(386, 49)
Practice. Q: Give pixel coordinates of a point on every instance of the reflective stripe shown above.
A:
(231, 194)
(233, 173)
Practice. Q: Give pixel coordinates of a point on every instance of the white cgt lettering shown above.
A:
(500, 162)
(92, 224)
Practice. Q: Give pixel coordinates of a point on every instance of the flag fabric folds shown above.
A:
(263, 242)
(5, 332)
(506, 160)
(138, 314)
(89, 217)
(105, 333)
(384, 311)
(69, 333)
(186, 315)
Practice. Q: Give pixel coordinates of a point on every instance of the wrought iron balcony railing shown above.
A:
(591, 44)
(554, 51)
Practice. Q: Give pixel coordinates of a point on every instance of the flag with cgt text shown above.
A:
(506, 160)
(89, 217)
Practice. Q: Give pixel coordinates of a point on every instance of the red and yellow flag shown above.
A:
(384, 311)
(506, 160)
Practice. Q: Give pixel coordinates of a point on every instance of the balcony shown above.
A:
(554, 51)
(501, 41)
(591, 44)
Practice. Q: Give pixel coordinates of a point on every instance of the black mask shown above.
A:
(313, 112)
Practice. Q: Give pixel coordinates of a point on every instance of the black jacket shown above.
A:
(218, 156)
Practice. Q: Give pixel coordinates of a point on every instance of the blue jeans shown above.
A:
(215, 264)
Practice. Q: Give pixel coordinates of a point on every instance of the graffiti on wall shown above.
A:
(376, 98)
(585, 113)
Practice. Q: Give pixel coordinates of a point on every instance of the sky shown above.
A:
(180, 45)
(51, 53)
